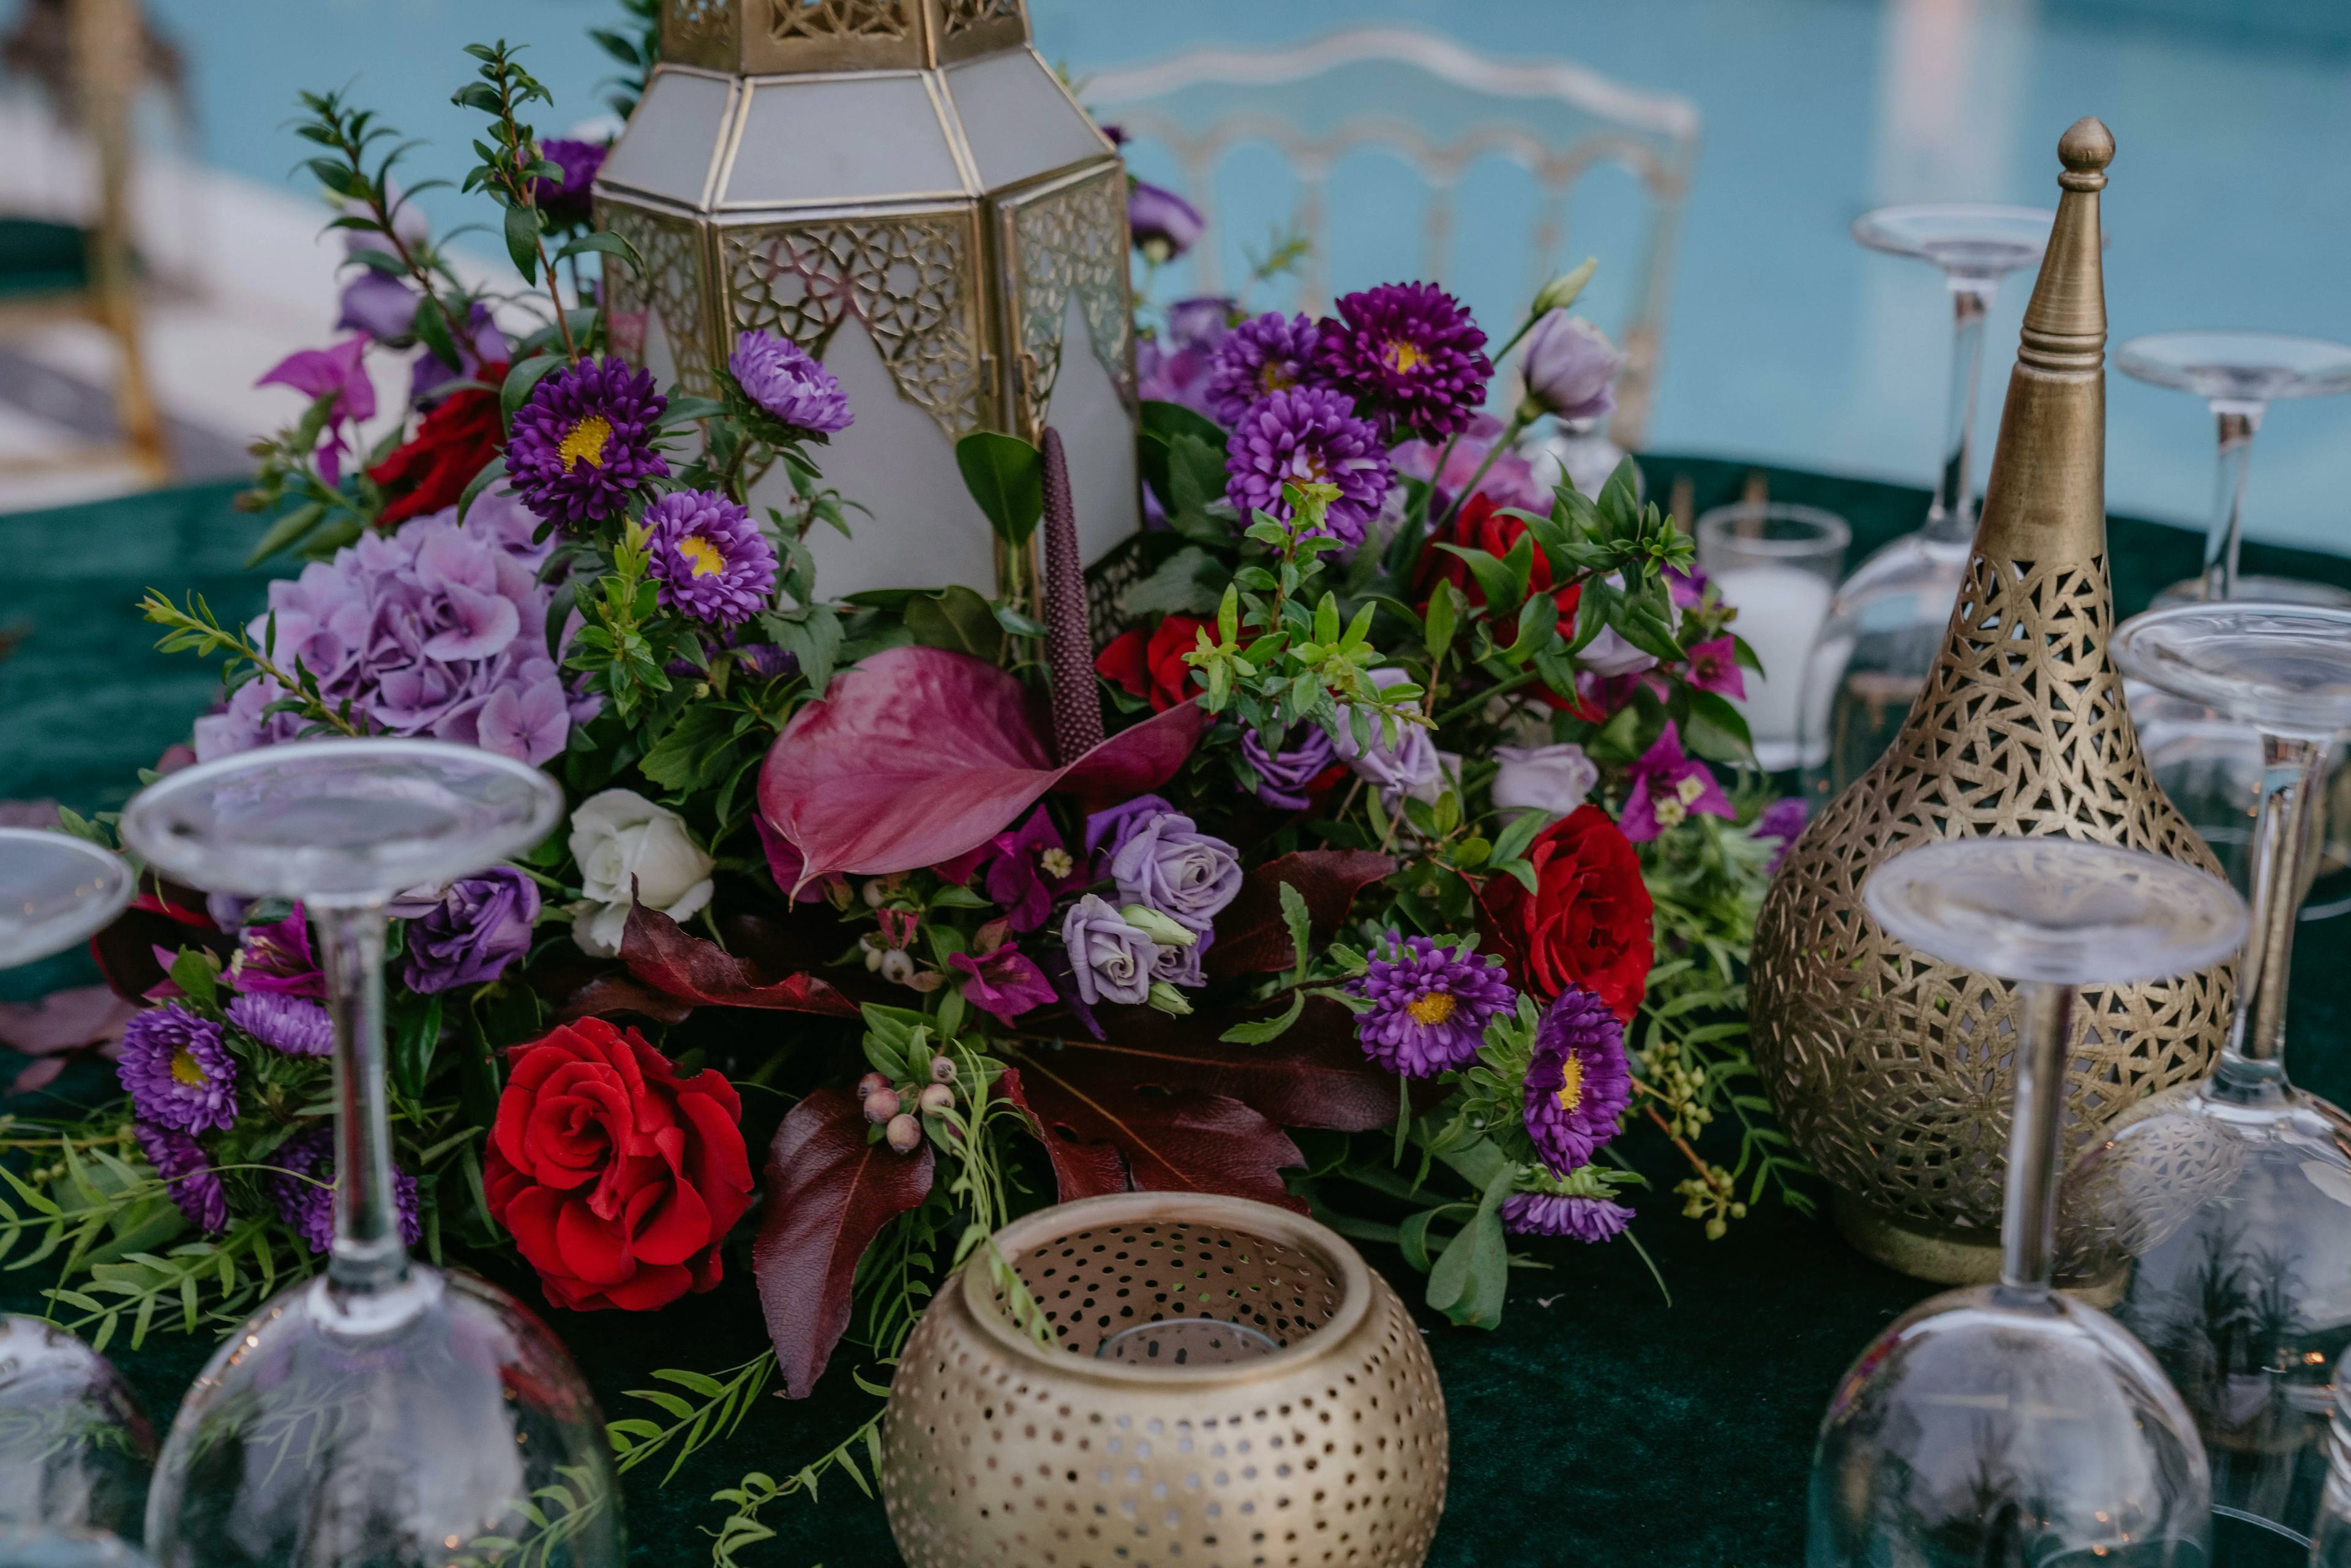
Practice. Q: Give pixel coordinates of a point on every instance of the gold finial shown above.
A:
(2085, 148)
(2065, 322)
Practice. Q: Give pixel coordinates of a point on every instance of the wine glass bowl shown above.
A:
(75, 1450)
(2277, 667)
(1966, 240)
(2238, 367)
(55, 891)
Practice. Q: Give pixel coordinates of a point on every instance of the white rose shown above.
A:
(618, 838)
(1553, 780)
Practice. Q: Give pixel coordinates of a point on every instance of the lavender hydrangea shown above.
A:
(188, 1176)
(1283, 776)
(1169, 865)
(584, 441)
(788, 382)
(1578, 1083)
(1111, 960)
(1308, 435)
(709, 558)
(295, 1026)
(303, 1189)
(1430, 1005)
(1409, 355)
(1560, 1214)
(478, 927)
(177, 1071)
(1268, 353)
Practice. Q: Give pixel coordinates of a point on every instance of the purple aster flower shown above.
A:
(1430, 1004)
(783, 378)
(293, 1025)
(276, 959)
(1266, 353)
(1669, 787)
(565, 201)
(1108, 830)
(1557, 1214)
(1308, 435)
(1282, 776)
(303, 1189)
(480, 924)
(1169, 865)
(711, 559)
(377, 304)
(177, 1072)
(194, 1186)
(1031, 868)
(1164, 224)
(1783, 820)
(1578, 1083)
(1409, 354)
(584, 441)
(1111, 960)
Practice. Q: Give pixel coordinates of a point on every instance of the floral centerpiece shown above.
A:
(1380, 868)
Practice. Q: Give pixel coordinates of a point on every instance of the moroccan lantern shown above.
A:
(907, 189)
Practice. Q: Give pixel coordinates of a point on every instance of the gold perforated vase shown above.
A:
(1890, 1070)
(1329, 1449)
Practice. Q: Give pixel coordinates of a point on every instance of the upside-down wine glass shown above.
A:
(2009, 1425)
(385, 1413)
(2216, 1217)
(1887, 621)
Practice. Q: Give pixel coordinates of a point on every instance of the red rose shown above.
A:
(1151, 665)
(1481, 525)
(617, 1178)
(452, 443)
(1589, 922)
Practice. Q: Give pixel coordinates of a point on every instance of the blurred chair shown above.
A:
(1439, 108)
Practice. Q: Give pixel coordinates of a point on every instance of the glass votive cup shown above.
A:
(1778, 565)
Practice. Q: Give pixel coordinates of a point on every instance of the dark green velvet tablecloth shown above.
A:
(1599, 1425)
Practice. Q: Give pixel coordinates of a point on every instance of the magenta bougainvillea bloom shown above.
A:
(1268, 353)
(1308, 435)
(711, 559)
(1005, 983)
(188, 1175)
(1714, 667)
(277, 957)
(1578, 1083)
(293, 1025)
(339, 370)
(786, 381)
(177, 1072)
(1031, 868)
(302, 1187)
(1559, 1214)
(1430, 1005)
(1668, 788)
(583, 443)
(1409, 355)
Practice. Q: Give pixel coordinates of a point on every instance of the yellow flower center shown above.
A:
(702, 556)
(1430, 1007)
(1403, 357)
(1056, 863)
(584, 442)
(187, 1070)
(1690, 789)
(1273, 376)
(1571, 1087)
(1669, 812)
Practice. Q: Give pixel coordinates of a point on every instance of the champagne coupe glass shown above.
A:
(2216, 1217)
(2007, 1424)
(384, 1413)
(75, 1450)
(1887, 622)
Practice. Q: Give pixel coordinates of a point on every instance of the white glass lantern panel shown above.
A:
(1099, 440)
(923, 530)
(672, 139)
(840, 139)
(1017, 119)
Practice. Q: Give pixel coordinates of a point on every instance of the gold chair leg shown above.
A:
(106, 45)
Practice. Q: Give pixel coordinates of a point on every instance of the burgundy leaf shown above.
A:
(919, 754)
(1186, 1141)
(615, 992)
(63, 1020)
(828, 1193)
(661, 954)
(1252, 938)
(166, 917)
(1079, 1169)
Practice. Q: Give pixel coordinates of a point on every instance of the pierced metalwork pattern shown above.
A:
(832, 19)
(1107, 581)
(1892, 1072)
(910, 281)
(963, 16)
(670, 291)
(1072, 240)
(699, 32)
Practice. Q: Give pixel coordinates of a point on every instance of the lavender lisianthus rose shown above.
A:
(480, 924)
(1169, 865)
(1308, 435)
(1110, 959)
(1282, 776)
(1553, 780)
(1569, 367)
(790, 383)
(1164, 226)
(709, 558)
(1408, 765)
(1108, 830)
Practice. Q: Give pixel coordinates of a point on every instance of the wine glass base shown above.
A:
(2258, 590)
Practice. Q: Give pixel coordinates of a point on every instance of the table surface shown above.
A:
(1601, 1424)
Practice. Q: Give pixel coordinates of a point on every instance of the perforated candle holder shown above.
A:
(1328, 1447)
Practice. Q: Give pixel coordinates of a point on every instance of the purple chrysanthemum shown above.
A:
(178, 1073)
(1556, 1214)
(1308, 435)
(585, 440)
(1266, 353)
(1429, 1005)
(194, 1186)
(1409, 354)
(302, 1187)
(711, 559)
(291, 1024)
(567, 200)
(1578, 1083)
(787, 381)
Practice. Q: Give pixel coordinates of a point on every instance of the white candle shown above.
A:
(1781, 609)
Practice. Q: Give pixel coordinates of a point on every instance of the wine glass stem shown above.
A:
(1952, 516)
(2251, 1060)
(2222, 540)
(368, 1259)
(2045, 1022)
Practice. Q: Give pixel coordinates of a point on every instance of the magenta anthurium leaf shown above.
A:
(919, 754)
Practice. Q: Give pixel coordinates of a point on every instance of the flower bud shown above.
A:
(880, 1105)
(1570, 368)
(942, 1069)
(896, 967)
(875, 891)
(1157, 927)
(1168, 999)
(868, 1084)
(871, 944)
(905, 1135)
(1562, 291)
(937, 1099)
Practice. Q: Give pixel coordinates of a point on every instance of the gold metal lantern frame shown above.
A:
(907, 189)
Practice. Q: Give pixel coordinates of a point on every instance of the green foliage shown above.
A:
(1005, 476)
